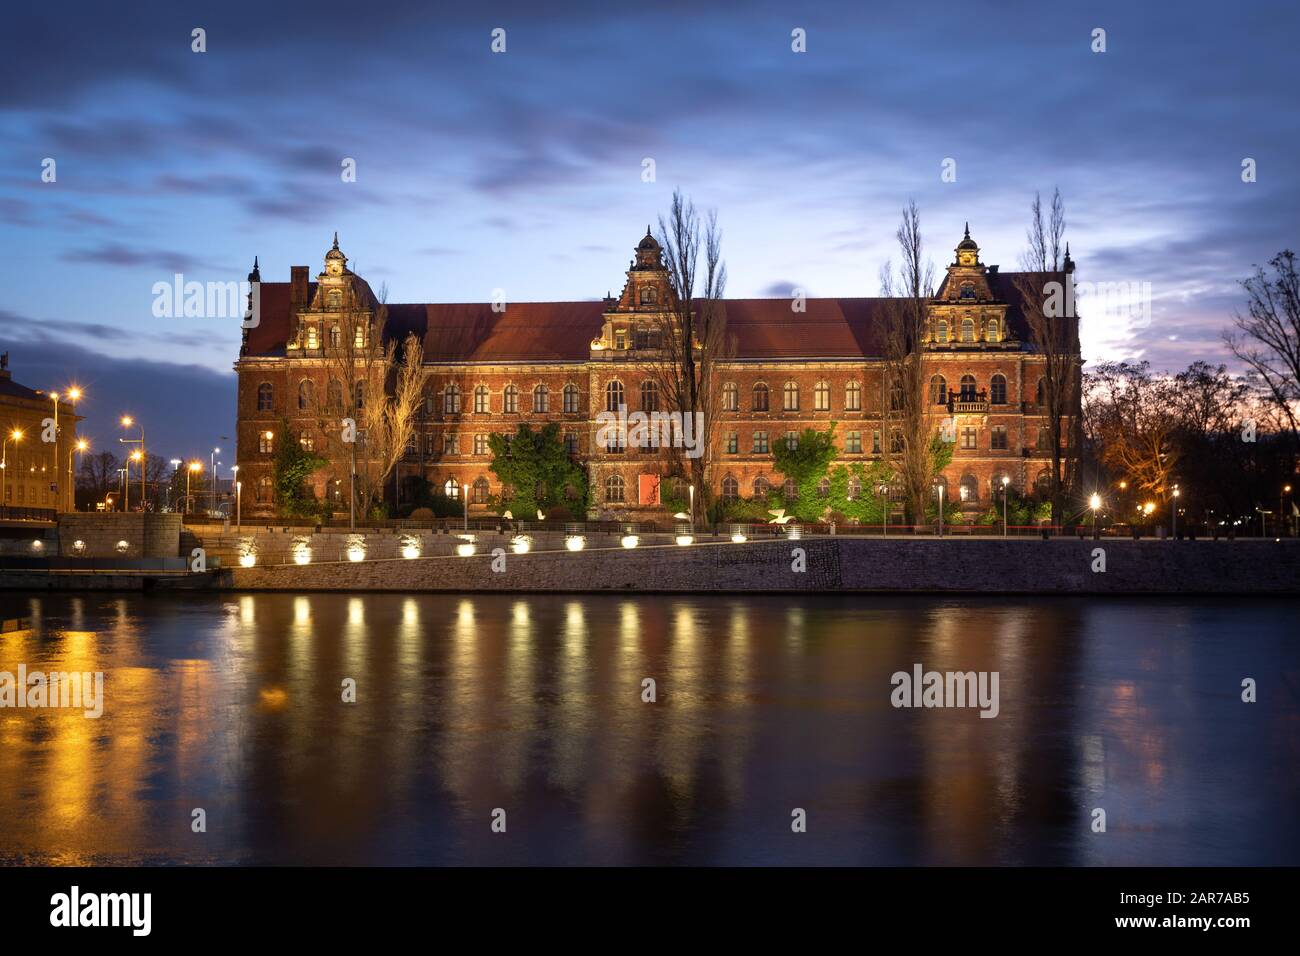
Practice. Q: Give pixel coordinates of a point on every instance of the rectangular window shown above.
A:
(451, 445)
(733, 443)
(481, 444)
(875, 442)
(571, 444)
(998, 438)
(760, 443)
(968, 438)
(853, 443)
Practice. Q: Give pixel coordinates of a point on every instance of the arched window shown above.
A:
(998, 389)
(761, 487)
(482, 402)
(266, 442)
(730, 397)
(968, 329)
(265, 397)
(613, 396)
(511, 399)
(941, 331)
(993, 331)
(335, 299)
(790, 397)
(541, 400)
(823, 488)
(760, 397)
(451, 399)
(334, 338)
(649, 397)
(480, 491)
(615, 490)
(730, 489)
(970, 488)
(967, 389)
(264, 490)
(790, 490)
(306, 395)
(570, 399)
(896, 397)
(452, 489)
(939, 390)
(821, 397)
(854, 489)
(853, 397)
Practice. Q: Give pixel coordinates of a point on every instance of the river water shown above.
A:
(530, 711)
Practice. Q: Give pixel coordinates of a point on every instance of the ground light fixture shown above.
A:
(685, 539)
(575, 542)
(521, 544)
(739, 537)
(630, 541)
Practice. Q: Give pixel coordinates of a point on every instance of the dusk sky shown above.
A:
(523, 170)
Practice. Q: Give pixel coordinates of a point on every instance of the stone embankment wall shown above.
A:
(828, 564)
(116, 535)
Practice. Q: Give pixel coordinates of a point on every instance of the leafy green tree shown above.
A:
(536, 472)
(290, 469)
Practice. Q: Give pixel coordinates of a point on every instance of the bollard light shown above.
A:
(575, 542)
(521, 544)
(630, 541)
(466, 549)
(247, 560)
(739, 537)
(685, 539)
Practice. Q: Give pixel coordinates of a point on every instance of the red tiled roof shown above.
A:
(844, 328)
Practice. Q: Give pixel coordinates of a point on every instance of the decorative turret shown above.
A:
(968, 251)
(649, 254)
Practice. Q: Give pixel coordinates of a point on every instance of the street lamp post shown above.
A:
(1094, 503)
(1281, 515)
(940, 488)
(234, 480)
(194, 466)
(239, 487)
(1006, 480)
(127, 422)
(73, 395)
(212, 470)
(884, 509)
(1175, 511)
(692, 497)
(81, 445)
(126, 489)
(15, 436)
(54, 396)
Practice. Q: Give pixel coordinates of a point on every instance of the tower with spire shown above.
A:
(632, 321)
(965, 312)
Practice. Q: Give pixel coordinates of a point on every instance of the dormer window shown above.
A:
(649, 296)
(968, 290)
(335, 299)
(620, 339)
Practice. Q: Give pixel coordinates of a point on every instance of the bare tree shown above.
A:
(1134, 419)
(903, 387)
(1047, 301)
(377, 383)
(1268, 336)
(692, 332)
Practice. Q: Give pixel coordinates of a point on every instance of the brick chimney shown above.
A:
(298, 286)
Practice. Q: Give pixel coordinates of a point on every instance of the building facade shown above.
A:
(38, 457)
(791, 365)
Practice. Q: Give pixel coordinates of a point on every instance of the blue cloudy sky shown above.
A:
(523, 170)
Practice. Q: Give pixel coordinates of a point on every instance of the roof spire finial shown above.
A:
(967, 229)
(336, 238)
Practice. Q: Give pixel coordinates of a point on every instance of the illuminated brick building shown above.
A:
(38, 479)
(564, 362)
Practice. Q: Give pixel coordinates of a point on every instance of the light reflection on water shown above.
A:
(533, 704)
